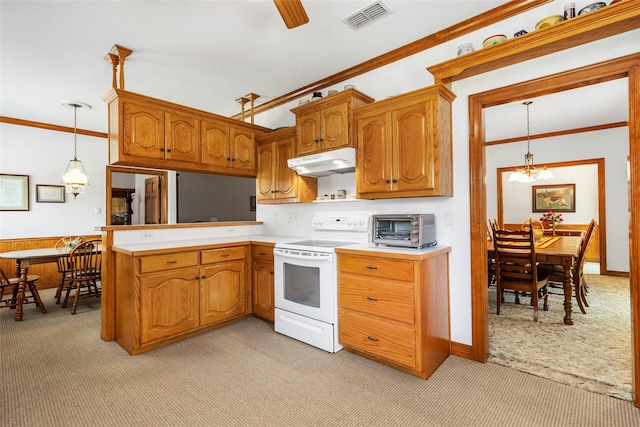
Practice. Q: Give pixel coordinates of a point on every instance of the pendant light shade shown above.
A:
(75, 178)
(529, 172)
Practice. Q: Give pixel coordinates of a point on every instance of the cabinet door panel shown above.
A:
(222, 292)
(143, 131)
(215, 144)
(182, 139)
(263, 303)
(308, 135)
(169, 304)
(334, 126)
(413, 151)
(243, 150)
(285, 177)
(374, 154)
(265, 179)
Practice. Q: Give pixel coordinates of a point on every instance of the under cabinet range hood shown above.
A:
(327, 163)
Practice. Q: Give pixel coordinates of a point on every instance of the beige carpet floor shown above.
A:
(56, 371)
(593, 354)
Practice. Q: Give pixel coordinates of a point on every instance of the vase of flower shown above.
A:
(551, 219)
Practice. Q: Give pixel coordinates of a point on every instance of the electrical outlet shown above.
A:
(231, 230)
(292, 217)
(98, 211)
(146, 235)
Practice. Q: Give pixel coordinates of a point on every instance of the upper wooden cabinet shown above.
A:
(404, 145)
(325, 124)
(149, 132)
(277, 183)
(226, 147)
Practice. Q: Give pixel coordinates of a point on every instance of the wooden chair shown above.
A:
(556, 272)
(86, 273)
(491, 267)
(10, 285)
(64, 264)
(516, 267)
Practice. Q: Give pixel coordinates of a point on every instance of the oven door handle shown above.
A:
(323, 257)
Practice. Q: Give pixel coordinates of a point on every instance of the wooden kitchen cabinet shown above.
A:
(148, 132)
(225, 147)
(168, 295)
(262, 284)
(223, 285)
(325, 124)
(276, 182)
(405, 145)
(394, 307)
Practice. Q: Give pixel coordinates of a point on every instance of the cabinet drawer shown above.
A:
(377, 337)
(168, 262)
(262, 252)
(392, 300)
(223, 254)
(376, 266)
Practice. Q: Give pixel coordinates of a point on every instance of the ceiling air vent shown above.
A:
(367, 15)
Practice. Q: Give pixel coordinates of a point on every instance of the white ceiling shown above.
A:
(203, 54)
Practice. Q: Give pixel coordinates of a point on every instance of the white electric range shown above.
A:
(305, 277)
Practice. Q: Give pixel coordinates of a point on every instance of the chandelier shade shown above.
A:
(75, 179)
(530, 172)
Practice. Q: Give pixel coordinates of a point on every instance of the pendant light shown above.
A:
(529, 172)
(75, 179)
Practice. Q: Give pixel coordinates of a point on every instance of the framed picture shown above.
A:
(14, 192)
(252, 203)
(561, 198)
(49, 193)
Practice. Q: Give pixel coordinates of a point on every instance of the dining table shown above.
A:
(557, 250)
(24, 259)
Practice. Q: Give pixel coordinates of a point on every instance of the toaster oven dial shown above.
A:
(415, 231)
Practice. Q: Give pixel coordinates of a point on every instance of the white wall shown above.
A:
(46, 158)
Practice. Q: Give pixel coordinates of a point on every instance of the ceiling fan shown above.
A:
(292, 12)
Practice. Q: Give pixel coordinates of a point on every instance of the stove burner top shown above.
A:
(321, 243)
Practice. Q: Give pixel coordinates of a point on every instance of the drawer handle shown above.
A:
(172, 262)
(262, 253)
(372, 299)
(224, 255)
(371, 267)
(370, 338)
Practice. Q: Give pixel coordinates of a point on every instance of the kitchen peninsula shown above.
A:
(164, 283)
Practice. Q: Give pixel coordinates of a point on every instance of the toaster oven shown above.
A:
(405, 230)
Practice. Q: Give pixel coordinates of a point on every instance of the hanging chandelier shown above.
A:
(75, 179)
(529, 172)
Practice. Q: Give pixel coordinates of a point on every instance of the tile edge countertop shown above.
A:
(192, 244)
(370, 249)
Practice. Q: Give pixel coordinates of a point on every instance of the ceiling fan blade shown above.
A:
(292, 12)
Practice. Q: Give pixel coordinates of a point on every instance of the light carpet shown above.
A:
(593, 354)
(56, 371)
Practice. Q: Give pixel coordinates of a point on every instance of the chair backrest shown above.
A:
(86, 260)
(586, 240)
(69, 241)
(492, 224)
(515, 255)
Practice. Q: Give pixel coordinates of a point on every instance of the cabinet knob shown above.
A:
(168, 150)
(395, 180)
(203, 277)
(162, 149)
(233, 160)
(317, 141)
(388, 181)
(271, 272)
(228, 159)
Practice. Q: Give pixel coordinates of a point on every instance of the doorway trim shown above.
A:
(623, 67)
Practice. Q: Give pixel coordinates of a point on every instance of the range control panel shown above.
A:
(341, 223)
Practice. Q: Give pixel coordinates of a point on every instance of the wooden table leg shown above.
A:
(567, 289)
